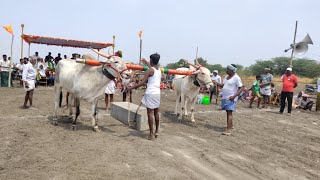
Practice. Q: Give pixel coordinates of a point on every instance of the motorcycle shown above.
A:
(310, 89)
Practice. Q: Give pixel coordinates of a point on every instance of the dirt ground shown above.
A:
(264, 145)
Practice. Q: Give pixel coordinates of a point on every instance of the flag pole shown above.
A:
(113, 41)
(294, 42)
(140, 35)
(9, 78)
(22, 27)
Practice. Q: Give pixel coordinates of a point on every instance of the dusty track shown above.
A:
(264, 145)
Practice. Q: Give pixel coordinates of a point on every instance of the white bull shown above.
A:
(187, 88)
(85, 82)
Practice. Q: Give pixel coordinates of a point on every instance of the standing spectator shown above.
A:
(289, 82)
(127, 83)
(110, 90)
(215, 90)
(49, 60)
(232, 87)
(266, 79)
(19, 68)
(36, 55)
(65, 56)
(48, 57)
(29, 77)
(256, 91)
(4, 68)
(57, 59)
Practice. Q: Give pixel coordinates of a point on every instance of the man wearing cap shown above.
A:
(289, 82)
(265, 89)
(215, 90)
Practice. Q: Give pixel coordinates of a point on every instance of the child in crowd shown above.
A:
(256, 91)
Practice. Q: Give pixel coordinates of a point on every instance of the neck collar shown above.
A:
(107, 73)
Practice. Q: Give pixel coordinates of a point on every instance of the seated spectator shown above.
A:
(296, 99)
(275, 96)
(305, 103)
(42, 71)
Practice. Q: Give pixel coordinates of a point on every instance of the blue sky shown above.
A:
(226, 31)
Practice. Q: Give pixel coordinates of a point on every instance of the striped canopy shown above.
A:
(63, 42)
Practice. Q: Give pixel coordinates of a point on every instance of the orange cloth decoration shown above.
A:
(140, 34)
(8, 28)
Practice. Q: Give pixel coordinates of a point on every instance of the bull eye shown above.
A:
(202, 73)
(116, 62)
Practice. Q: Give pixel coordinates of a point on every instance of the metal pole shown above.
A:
(294, 42)
(9, 78)
(113, 41)
(196, 56)
(29, 51)
(140, 57)
(22, 27)
(98, 54)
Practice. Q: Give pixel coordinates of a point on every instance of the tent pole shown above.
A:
(22, 27)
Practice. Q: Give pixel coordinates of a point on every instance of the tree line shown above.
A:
(302, 67)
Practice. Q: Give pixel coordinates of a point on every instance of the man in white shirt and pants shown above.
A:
(4, 68)
(29, 75)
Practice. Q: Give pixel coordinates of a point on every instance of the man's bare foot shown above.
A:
(32, 108)
(155, 135)
(24, 107)
(226, 132)
(150, 137)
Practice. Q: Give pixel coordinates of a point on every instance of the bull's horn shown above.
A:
(197, 62)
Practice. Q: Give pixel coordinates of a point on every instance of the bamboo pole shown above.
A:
(294, 42)
(113, 41)
(9, 78)
(140, 35)
(22, 27)
(29, 50)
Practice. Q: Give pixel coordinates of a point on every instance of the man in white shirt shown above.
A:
(29, 75)
(232, 87)
(4, 68)
(215, 90)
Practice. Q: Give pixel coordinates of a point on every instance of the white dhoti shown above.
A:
(29, 85)
(151, 101)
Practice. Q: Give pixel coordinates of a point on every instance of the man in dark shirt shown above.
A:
(57, 59)
(48, 58)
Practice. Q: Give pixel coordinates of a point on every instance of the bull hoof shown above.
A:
(96, 129)
(193, 121)
(73, 127)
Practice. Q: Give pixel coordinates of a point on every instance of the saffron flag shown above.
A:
(8, 28)
(140, 34)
